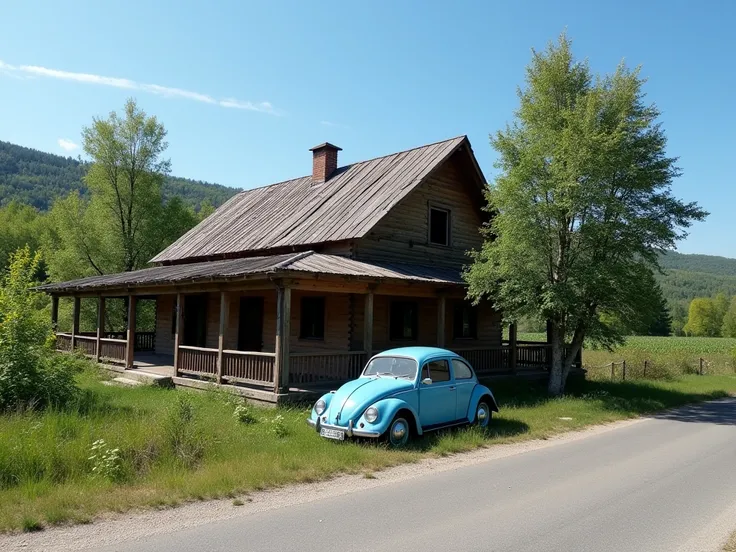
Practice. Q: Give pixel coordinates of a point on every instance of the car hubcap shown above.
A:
(399, 432)
(482, 415)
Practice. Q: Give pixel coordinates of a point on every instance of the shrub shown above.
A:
(106, 461)
(278, 426)
(183, 436)
(244, 414)
(31, 375)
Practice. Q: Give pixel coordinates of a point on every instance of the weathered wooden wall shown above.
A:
(402, 235)
(165, 324)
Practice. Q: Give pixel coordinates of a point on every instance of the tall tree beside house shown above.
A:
(582, 207)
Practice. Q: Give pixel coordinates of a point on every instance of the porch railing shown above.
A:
(325, 367)
(486, 360)
(198, 361)
(63, 342)
(113, 349)
(144, 341)
(86, 344)
(247, 366)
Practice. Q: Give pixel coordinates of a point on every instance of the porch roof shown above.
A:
(307, 262)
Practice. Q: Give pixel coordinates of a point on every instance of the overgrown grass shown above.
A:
(157, 447)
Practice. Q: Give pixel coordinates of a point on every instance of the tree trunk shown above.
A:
(556, 384)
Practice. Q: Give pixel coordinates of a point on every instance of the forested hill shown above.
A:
(37, 178)
(690, 276)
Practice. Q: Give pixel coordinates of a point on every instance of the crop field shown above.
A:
(665, 357)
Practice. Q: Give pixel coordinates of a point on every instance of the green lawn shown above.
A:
(172, 450)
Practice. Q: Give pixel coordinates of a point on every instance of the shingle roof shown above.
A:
(233, 269)
(298, 212)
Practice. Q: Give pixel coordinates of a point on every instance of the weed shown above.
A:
(244, 414)
(106, 461)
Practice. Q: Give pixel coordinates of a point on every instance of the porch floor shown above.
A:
(152, 363)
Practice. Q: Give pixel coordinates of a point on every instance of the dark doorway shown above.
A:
(250, 328)
(195, 320)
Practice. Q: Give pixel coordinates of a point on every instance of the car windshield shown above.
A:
(397, 367)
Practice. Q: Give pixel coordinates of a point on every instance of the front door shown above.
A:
(437, 401)
(250, 328)
(195, 320)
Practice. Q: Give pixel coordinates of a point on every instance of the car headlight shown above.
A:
(371, 415)
(320, 407)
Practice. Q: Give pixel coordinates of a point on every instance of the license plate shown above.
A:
(332, 433)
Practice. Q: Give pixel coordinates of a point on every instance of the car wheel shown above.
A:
(482, 414)
(398, 432)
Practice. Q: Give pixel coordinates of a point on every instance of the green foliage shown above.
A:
(704, 318)
(37, 178)
(582, 206)
(31, 376)
(728, 329)
(106, 461)
(20, 226)
(244, 414)
(184, 437)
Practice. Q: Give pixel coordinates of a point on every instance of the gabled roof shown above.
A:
(307, 262)
(301, 213)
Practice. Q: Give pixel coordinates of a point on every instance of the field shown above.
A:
(666, 357)
(121, 448)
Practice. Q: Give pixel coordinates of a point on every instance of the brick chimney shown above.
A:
(324, 161)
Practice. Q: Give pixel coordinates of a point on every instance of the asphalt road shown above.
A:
(664, 484)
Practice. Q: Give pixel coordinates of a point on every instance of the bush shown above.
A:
(31, 375)
(183, 436)
(244, 414)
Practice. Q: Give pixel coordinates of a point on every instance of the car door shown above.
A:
(464, 384)
(437, 402)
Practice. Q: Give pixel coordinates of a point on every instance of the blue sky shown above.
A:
(246, 88)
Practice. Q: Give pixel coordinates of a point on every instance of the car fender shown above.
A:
(478, 392)
(387, 409)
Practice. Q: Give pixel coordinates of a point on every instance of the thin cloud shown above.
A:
(128, 84)
(67, 145)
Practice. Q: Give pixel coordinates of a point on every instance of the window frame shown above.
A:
(302, 312)
(429, 372)
(458, 309)
(414, 322)
(448, 232)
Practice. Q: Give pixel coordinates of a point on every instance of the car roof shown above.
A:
(420, 354)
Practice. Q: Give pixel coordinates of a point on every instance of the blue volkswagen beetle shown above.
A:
(404, 391)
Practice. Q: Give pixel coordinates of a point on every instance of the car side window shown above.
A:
(462, 370)
(439, 370)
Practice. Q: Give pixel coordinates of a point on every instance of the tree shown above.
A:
(581, 208)
(704, 318)
(679, 318)
(729, 320)
(20, 225)
(721, 303)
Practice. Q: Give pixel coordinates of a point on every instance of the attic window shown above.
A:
(439, 226)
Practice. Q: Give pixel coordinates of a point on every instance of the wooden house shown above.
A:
(296, 284)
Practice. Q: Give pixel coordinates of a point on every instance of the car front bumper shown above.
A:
(350, 431)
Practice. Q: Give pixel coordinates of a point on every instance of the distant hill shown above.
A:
(37, 178)
(689, 276)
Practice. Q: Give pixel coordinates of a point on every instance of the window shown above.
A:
(437, 371)
(394, 366)
(312, 318)
(462, 370)
(404, 320)
(465, 322)
(439, 226)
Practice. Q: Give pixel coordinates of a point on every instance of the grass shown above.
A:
(127, 448)
(730, 546)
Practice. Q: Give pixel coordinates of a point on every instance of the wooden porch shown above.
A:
(212, 337)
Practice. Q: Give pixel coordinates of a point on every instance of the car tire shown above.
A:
(483, 414)
(398, 432)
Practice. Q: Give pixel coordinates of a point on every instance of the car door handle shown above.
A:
(451, 388)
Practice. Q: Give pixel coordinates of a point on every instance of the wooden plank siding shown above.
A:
(403, 234)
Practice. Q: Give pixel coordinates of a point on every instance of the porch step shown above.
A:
(126, 382)
(147, 378)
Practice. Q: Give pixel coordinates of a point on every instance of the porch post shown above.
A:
(368, 325)
(179, 329)
(100, 326)
(513, 347)
(130, 345)
(55, 312)
(283, 331)
(224, 304)
(441, 321)
(75, 323)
